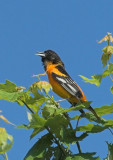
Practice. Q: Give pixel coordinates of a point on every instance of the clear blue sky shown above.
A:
(71, 28)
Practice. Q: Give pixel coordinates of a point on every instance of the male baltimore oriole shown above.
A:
(62, 84)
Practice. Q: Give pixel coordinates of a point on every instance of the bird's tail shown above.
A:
(92, 110)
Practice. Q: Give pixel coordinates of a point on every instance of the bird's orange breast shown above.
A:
(58, 89)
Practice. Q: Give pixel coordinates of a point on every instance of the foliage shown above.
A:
(6, 140)
(47, 114)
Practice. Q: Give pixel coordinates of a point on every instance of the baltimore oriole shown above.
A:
(62, 84)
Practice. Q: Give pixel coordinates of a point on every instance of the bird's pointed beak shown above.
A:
(41, 54)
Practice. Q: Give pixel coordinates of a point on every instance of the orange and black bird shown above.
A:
(61, 82)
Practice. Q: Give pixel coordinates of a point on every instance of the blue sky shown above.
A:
(71, 28)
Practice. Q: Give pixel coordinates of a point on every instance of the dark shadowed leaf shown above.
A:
(83, 156)
(40, 148)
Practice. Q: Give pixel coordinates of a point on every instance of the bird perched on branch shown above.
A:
(61, 82)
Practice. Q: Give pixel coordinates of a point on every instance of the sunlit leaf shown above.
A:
(49, 110)
(6, 141)
(111, 38)
(9, 92)
(5, 119)
(42, 85)
(111, 89)
(105, 109)
(40, 147)
(33, 102)
(96, 79)
(106, 38)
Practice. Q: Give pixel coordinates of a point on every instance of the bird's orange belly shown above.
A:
(59, 90)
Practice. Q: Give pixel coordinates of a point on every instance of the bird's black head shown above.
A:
(50, 57)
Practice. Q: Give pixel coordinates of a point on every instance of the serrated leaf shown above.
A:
(6, 141)
(9, 92)
(56, 127)
(96, 79)
(39, 148)
(108, 50)
(68, 136)
(42, 85)
(48, 110)
(111, 89)
(35, 121)
(33, 102)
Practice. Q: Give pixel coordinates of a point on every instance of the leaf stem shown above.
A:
(110, 77)
(6, 157)
(27, 106)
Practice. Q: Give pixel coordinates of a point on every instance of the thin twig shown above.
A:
(6, 157)
(110, 77)
(27, 106)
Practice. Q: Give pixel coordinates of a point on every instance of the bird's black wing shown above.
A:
(67, 82)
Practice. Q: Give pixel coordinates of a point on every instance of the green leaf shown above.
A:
(91, 128)
(105, 109)
(33, 102)
(83, 156)
(58, 154)
(42, 85)
(36, 131)
(77, 107)
(111, 89)
(40, 148)
(35, 121)
(96, 79)
(108, 71)
(6, 141)
(56, 123)
(23, 126)
(49, 110)
(9, 91)
(68, 136)
(108, 50)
